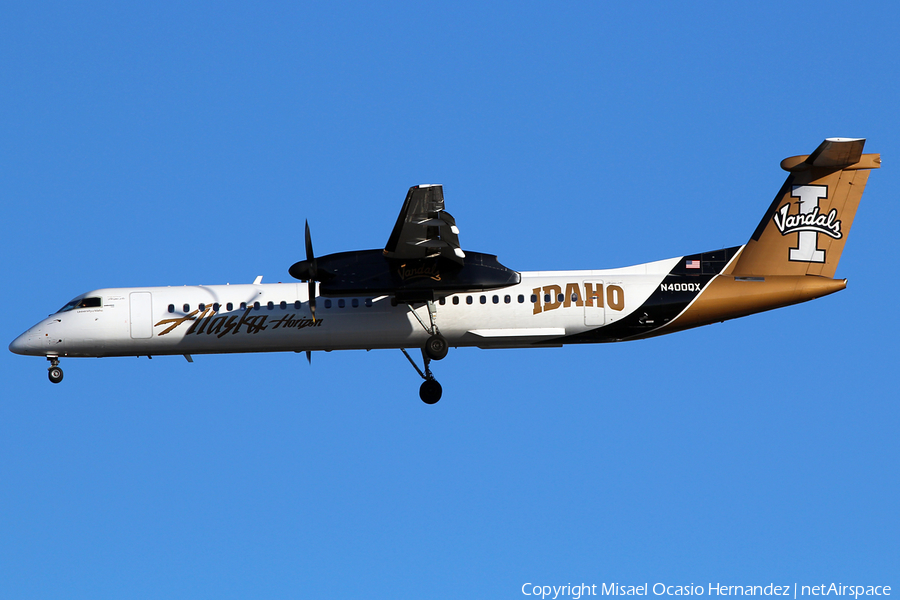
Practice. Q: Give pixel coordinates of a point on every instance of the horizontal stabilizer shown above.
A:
(837, 152)
(833, 153)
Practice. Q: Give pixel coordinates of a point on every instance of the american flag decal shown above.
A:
(692, 264)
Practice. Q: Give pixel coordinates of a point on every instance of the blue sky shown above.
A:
(175, 143)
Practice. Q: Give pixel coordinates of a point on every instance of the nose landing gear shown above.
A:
(54, 372)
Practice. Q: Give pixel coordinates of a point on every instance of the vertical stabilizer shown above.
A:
(804, 230)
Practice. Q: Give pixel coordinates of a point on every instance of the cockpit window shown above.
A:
(82, 303)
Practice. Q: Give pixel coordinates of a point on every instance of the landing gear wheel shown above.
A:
(430, 391)
(436, 347)
(55, 374)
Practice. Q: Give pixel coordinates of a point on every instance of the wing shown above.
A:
(424, 229)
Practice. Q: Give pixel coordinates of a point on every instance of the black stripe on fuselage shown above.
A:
(676, 291)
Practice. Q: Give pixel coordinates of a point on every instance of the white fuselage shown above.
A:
(544, 307)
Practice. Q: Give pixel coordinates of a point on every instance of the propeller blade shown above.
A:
(310, 256)
(313, 272)
(309, 357)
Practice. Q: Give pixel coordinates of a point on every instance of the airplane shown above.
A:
(423, 291)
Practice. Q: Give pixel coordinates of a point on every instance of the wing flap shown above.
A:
(424, 229)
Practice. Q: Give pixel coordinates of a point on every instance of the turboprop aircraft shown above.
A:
(423, 291)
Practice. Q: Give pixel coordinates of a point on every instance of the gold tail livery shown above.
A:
(423, 291)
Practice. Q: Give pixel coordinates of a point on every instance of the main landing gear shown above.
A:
(436, 348)
(430, 390)
(54, 372)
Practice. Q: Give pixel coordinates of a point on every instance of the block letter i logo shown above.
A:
(807, 249)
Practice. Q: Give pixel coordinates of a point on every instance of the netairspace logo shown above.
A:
(713, 589)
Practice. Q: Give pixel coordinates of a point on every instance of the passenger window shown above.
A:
(283, 305)
(522, 299)
(455, 299)
(483, 299)
(171, 308)
(328, 303)
(368, 303)
(243, 306)
(216, 306)
(442, 301)
(574, 297)
(202, 307)
(534, 297)
(187, 308)
(341, 303)
(256, 306)
(297, 304)
(546, 297)
(270, 305)
(355, 302)
(468, 299)
(229, 307)
(507, 299)
(496, 299)
(560, 297)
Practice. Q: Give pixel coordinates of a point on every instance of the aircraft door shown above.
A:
(141, 316)
(594, 311)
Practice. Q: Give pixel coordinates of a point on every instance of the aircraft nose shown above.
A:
(20, 344)
(27, 343)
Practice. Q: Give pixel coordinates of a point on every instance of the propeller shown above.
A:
(308, 270)
(313, 273)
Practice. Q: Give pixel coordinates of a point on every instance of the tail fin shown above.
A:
(805, 228)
